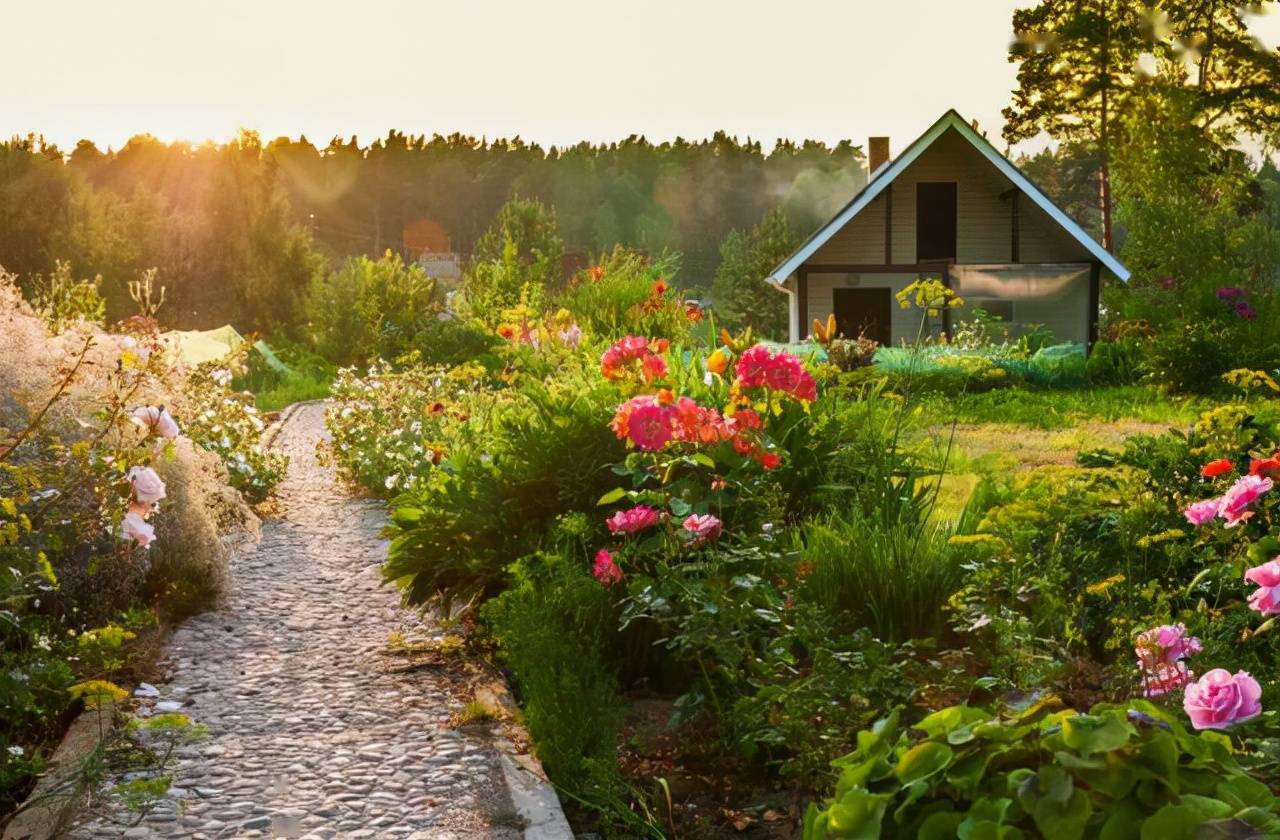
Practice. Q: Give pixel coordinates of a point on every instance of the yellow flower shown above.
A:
(718, 362)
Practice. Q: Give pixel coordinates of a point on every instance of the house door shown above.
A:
(935, 221)
(864, 312)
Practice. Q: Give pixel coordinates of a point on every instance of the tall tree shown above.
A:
(739, 294)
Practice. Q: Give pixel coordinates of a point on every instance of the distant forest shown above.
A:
(212, 217)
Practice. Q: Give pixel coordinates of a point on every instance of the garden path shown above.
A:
(310, 733)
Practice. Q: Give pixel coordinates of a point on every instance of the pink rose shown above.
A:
(703, 527)
(1201, 513)
(136, 528)
(1266, 598)
(147, 486)
(156, 419)
(1236, 501)
(605, 570)
(629, 521)
(1164, 645)
(1219, 699)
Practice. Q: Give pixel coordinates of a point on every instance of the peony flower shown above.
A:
(630, 521)
(1219, 699)
(1201, 513)
(605, 570)
(147, 486)
(1236, 501)
(703, 527)
(1165, 678)
(135, 528)
(1213, 469)
(1164, 645)
(1266, 598)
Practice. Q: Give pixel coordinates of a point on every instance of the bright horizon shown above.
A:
(552, 75)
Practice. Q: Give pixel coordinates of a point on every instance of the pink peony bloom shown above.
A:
(136, 528)
(1164, 645)
(1201, 513)
(1235, 502)
(1165, 678)
(147, 486)
(1266, 598)
(703, 527)
(1219, 699)
(630, 521)
(156, 419)
(649, 426)
(605, 570)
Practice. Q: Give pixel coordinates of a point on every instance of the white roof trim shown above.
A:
(886, 174)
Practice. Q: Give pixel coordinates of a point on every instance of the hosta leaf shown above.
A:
(922, 761)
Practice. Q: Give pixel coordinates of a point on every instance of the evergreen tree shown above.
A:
(740, 295)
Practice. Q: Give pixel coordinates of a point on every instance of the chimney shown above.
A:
(877, 153)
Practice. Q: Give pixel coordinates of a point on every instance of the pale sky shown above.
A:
(553, 72)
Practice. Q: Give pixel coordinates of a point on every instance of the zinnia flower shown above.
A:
(605, 569)
(155, 419)
(1266, 598)
(1236, 501)
(1200, 513)
(1220, 699)
(1213, 469)
(630, 521)
(147, 486)
(135, 528)
(770, 460)
(703, 527)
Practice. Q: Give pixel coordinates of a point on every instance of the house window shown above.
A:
(935, 221)
(1002, 309)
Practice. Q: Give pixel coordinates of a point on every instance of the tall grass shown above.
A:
(891, 573)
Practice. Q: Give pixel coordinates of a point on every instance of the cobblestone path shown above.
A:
(310, 734)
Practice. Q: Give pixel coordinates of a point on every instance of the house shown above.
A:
(949, 206)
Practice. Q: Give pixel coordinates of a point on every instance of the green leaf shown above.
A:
(1181, 821)
(1063, 820)
(922, 761)
(857, 815)
(940, 826)
(966, 773)
(612, 496)
(679, 507)
(704, 459)
(1125, 822)
(1090, 734)
(945, 720)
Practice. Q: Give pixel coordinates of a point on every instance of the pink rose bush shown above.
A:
(1220, 699)
(136, 528)
(147, 489)
(1160, 652)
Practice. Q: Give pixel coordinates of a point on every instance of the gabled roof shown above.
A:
(886, 174)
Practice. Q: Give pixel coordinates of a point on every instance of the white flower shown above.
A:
(16, 751)
(392, 481)
(222, 376)
(135, 528)
(156, 419)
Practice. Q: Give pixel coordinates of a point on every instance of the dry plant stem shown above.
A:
(34, 423)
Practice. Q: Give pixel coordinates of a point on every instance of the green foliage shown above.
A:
(1120, 771)
(371, 309)
(1114, 363)
(229, 425)
(519, 260)
(740, 295)
(617, 296)
(62, 301)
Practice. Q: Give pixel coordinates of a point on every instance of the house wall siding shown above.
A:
(904, 323)
(983, 219)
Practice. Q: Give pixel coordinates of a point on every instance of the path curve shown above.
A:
(309, 734)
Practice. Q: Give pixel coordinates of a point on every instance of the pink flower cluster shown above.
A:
(632, 354)
(605, 569)
(650, 423)
(783, 372)
(147, 489)
(1160, 652)
(1233, 506)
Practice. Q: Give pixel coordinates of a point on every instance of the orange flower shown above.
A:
(659, 345)
(665, 396)
(1213, 469)
(596, 272)
(718, 362)
(693, 312)
(507, 331)
(436, 408)
(659, 288)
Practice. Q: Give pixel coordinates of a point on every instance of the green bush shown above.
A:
(1128, 770)
(1114, 363)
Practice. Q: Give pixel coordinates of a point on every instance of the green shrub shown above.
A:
(620, 296)
(1120, 771)
(1114, 363)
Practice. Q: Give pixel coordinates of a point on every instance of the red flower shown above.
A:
(1267, 467)
(660, 288)
(1213, 469)
(770, 460)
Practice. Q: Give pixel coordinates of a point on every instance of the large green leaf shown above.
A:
(1181, 821)
(922, 761)
(1089, 734)
(1063, 820)
(857, 815)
